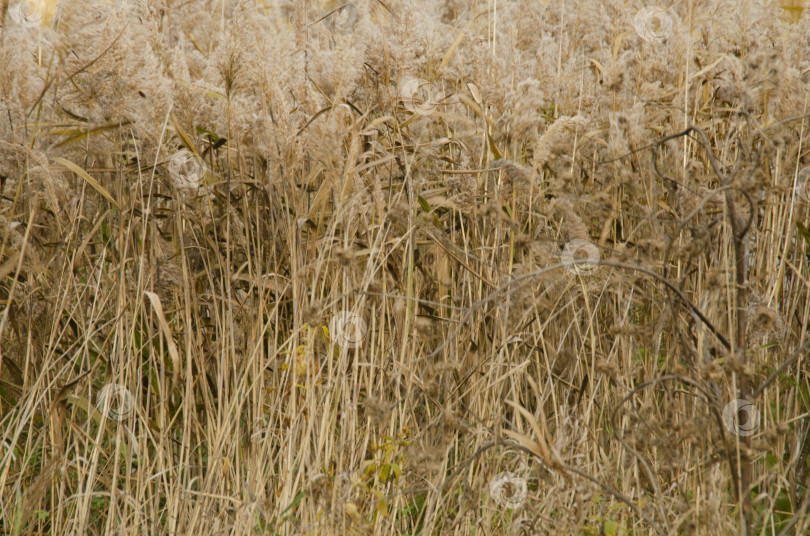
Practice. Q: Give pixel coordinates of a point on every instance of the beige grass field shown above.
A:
(401, 267)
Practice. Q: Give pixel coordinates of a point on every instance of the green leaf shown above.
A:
(508, 209)
(495, 152)
(370, 468)
(426, 208)
(298, 499)
(605, 527)
(211, 135)
(382, 508)
(804, 232)
(424, 203)
(610, 528)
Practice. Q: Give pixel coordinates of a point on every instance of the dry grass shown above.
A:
(297, 268)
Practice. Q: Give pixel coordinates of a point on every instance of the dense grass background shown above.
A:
(314, 268)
